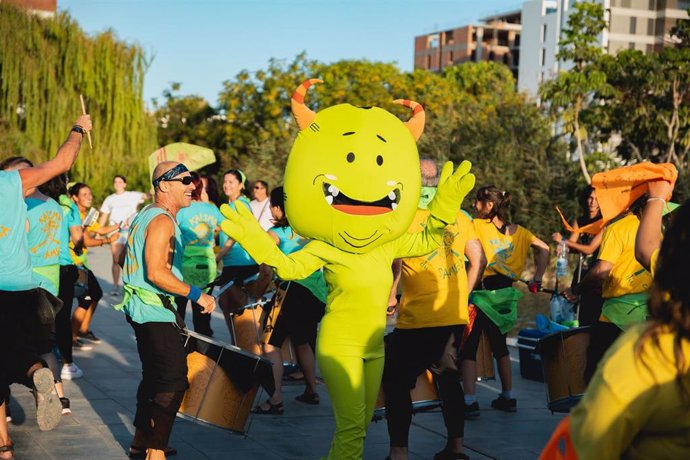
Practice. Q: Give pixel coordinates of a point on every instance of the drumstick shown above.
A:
(229, 284)
(541, 289)
(83, 111)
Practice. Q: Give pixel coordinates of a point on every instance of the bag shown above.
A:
(48, 307)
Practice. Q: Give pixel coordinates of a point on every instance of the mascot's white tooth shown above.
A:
(393, 206)
(329, 199)
(335, 190)
(330, 189)
(391, 195)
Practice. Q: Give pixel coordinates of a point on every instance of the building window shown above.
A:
(428, 62)
(433, 41)
(543, 33)
(516, 40)
(542, 57)
(516, 57)
(492, 56)
(473, 55)
(633, 25)
(502, 37)
(449, 36)
(451, 57)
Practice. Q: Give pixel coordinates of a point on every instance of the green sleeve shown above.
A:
(299, 264)
(421, 243)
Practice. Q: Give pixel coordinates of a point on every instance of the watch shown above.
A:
(78, 129)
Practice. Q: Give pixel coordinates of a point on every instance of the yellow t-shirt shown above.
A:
(434, 286)
(505, 254)
(627, 276)
(633, 406)
(81, 259)
(653, 260)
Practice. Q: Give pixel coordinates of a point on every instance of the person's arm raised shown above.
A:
(66, 154)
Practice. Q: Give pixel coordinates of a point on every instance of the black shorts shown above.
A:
(163, 356)
(298, 318)
(94, 292)
(238, 273)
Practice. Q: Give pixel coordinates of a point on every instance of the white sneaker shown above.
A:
(71, 372)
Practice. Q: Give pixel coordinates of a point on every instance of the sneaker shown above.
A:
(504, 404)
(71, 372)
(81, 345)
(115, 293)
(48, 406)
(472, 410)
(91, 337)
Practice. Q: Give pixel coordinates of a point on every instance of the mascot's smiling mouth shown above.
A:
(344, 203)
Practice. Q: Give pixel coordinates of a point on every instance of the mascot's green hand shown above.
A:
(243, 227)
(452, 188)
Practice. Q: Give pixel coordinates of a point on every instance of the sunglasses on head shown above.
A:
(186, 180)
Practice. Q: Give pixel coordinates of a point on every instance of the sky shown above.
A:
(202, 43)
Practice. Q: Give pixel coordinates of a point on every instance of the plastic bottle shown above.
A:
(562, 260)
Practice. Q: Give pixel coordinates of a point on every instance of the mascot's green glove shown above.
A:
(243, 227)
(452, 188)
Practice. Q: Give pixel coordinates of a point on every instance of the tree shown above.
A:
(570, 93)
(44, 65)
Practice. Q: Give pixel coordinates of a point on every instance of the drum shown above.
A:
(273, 312)
(485, 360)
(246, 327)
(223, 383)
(424, 395)
(564, 357)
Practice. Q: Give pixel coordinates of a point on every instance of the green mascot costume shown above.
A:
(352, 184)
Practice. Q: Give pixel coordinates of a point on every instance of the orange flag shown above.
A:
(619, 188)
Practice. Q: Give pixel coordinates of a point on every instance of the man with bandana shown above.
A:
(153, 277)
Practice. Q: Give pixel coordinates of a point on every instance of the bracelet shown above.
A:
(194, 294)
(78, 129)
(655, 198)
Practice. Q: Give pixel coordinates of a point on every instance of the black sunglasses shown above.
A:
(186, 180)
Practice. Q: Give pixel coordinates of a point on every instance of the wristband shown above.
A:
(194, 294)
(78, 129)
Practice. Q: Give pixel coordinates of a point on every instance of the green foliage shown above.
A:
(44, 65)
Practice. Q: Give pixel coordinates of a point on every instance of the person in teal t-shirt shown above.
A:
(19, 299)
(302, 309)
(198, 224)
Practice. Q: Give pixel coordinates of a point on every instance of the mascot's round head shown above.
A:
(352, 178)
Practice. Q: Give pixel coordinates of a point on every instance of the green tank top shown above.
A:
(140, 308)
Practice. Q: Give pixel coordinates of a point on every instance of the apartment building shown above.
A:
(495, 38)
(43, 8)
(632, 24)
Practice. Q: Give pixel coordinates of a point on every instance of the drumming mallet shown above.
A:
(229, 284)
(83, 111)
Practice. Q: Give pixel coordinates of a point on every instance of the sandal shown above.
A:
(138, 452)
(273, 409)
(308, 398)
(7, 448)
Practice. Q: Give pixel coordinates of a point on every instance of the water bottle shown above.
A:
(562, 260)
(556, 309)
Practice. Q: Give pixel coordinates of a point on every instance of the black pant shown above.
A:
(21, 338)
(602, 337)
(63, 324)
(201, 321)
(409, 352)
(482, 323)
(163, 383)
(299, 317)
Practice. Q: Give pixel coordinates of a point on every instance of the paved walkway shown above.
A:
(103, 403)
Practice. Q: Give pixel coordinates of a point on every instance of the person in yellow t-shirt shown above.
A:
(506, 247)
(431, 317)
(646, 414)
(86, 304)
(624, 287)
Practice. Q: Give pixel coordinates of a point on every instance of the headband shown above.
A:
(170, 173)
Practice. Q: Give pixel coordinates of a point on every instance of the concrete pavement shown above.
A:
(103, 404)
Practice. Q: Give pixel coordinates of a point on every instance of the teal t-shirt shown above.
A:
(15, 263)
(134, 270)
(70, 218)
(197, 223)
(291, 242)
(237, 256)
(45, 222)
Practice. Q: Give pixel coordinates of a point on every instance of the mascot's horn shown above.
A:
(301, 112)
(416, 123)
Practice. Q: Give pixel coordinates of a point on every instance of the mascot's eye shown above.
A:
(379, 160)
(350, 157)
